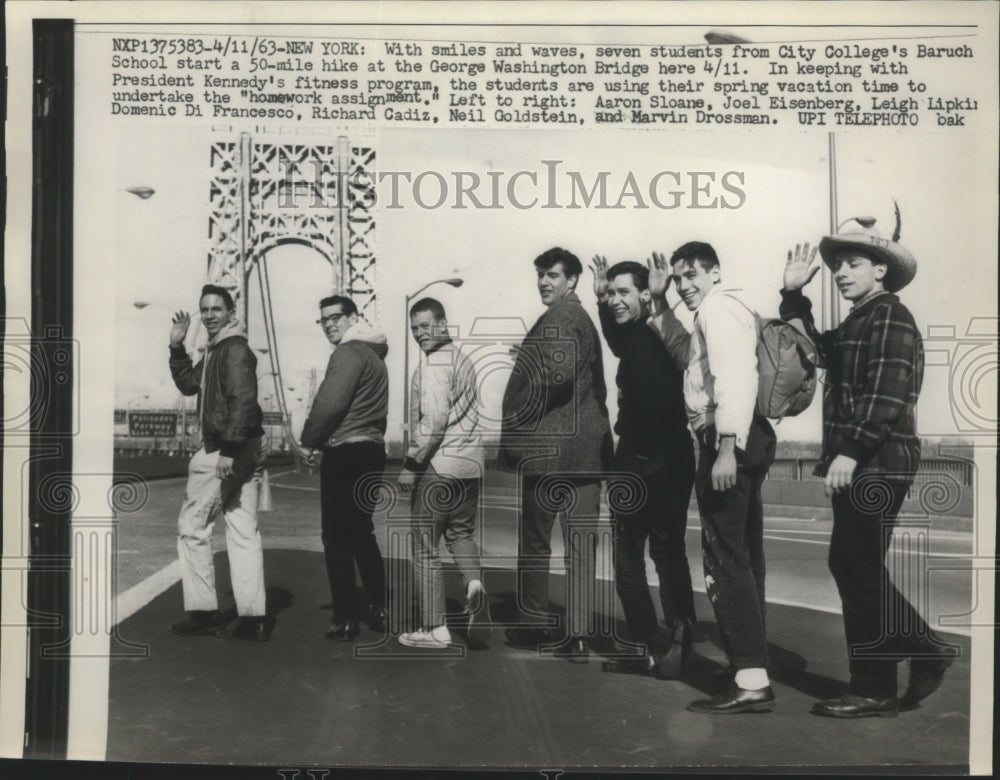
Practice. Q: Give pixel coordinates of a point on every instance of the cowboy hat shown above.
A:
(901, 265)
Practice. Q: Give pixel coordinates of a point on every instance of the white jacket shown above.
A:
(444, 414)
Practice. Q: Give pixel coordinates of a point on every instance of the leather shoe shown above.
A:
(639, 666)
(670, 664)
(851, 705)
(527, 637)
(734, 700)
(574, 650)
(926, 675)
(376, 619)
(345, 631)
(199, 623)
(256, 629)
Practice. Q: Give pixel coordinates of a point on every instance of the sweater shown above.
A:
(555, 417)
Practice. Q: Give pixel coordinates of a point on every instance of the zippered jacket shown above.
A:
(225, 380)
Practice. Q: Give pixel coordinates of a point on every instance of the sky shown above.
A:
(161, 242)
(942, 181)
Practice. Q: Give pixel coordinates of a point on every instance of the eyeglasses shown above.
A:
(334, 318)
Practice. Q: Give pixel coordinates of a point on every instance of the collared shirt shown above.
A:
(444, 414)
(720, 380)
(720, 384)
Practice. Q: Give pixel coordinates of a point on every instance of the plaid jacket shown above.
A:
(874, 368)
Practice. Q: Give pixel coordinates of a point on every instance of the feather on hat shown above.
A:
(902, 266)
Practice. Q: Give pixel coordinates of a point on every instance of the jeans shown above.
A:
(348, 531)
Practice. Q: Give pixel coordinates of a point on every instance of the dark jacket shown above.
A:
(555, 402)
(652, 420)
(874, 369)
(352, 402)
(230, 414)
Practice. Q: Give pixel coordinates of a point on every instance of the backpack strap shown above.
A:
(758, 322)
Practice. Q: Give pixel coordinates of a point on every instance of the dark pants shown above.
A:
(579, 527)
(663, 520)
(348, 531)
(732, 538)
(881, 626)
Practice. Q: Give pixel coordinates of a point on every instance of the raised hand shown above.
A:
(801, 267)
(181, 323)
(659, 275)
(599, 268)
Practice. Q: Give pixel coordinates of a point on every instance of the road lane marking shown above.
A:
(893, 549)
(138, 596)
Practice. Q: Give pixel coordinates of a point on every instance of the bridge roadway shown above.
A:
(301, 700)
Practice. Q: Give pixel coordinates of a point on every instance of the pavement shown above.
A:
(303, 700)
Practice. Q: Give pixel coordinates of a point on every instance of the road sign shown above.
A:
(157, 425)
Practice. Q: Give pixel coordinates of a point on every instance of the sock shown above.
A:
(752, 679)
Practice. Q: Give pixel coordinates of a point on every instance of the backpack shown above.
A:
(786, 368)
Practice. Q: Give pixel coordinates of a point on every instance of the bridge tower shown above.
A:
(266, 191)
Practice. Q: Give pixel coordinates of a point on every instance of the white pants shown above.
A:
(236, 497)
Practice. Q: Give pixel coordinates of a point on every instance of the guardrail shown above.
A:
(801, 470)
(160, 464)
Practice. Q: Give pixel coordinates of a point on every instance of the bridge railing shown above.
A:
(801, 469)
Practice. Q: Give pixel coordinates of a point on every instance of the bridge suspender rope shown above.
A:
(272, 348)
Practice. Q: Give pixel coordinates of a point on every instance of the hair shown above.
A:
(433, 305)
(639, 273)
(696, 251)
(570, 262)
(346, 304)
(222, 292)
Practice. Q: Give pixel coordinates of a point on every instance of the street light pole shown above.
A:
(454, 282)
(834, 299)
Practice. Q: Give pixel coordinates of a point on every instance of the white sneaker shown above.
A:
(439, 638)
(477, 610)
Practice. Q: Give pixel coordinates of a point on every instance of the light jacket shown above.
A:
(352, 402)
(444, 415)
(720, 380)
